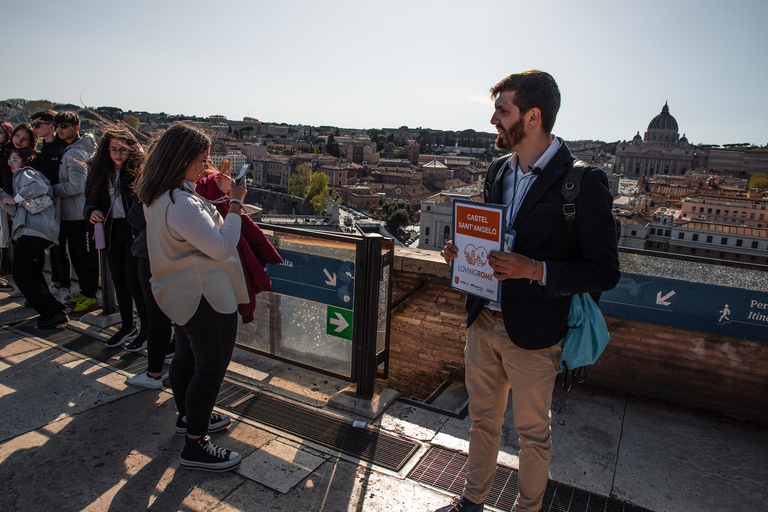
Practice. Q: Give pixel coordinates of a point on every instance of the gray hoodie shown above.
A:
(29, 184)
(72, 175)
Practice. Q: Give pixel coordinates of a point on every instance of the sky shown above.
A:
(416, 63)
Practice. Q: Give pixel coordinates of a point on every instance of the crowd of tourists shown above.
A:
(180, 251)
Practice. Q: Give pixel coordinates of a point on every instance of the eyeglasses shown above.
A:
(10, 160)
(64, 125)
(121, 151)
(38, 124)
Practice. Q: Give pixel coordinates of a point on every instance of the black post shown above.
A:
(107, 287)
(367, 366)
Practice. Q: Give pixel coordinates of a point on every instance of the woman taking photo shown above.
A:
(108, 199)
(198, 282)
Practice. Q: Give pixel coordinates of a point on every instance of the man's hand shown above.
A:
(510, 265)
(450, 252)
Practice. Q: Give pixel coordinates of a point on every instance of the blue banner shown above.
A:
(306, 276)
(688, 305)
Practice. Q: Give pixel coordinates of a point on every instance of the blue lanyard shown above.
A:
(512, 208)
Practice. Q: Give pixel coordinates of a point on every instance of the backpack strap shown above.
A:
(570, 190)
(493, 175)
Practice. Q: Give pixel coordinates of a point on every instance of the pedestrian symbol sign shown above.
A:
(339, 322)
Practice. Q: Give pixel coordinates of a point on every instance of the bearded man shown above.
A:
(515, 344)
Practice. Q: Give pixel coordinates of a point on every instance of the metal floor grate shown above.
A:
(377, 447)
(446, 470)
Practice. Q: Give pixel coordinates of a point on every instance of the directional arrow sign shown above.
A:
(663, 300)
(339, 322)
(331, 280)
(308, 276)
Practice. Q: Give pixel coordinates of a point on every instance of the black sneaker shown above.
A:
(54, 321)
(217, 423)
(138, 344)
(123, 335)
(202, 454)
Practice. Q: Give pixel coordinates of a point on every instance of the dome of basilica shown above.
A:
(663, 121)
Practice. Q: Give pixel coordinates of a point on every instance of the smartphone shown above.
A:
(239, 176)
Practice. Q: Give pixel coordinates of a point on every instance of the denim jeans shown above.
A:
(204, 348)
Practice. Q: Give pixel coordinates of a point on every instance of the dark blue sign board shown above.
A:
(306, 276)
(688, 305)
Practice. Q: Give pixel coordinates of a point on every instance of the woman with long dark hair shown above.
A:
(108, 198)
(198, 282)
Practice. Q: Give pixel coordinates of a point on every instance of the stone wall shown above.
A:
(427, 338)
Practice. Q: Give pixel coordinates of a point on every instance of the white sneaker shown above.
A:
(63, 295)
(15, 293)
(142, 380)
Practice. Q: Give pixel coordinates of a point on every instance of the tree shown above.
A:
(318, 193)
(758, 181)
(298, 183)
(332, 147)
(398, 213)
(132, 121)
(38, 105)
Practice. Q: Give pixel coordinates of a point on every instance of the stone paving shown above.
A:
(74, 436)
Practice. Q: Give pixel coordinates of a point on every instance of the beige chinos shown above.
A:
(494, 365)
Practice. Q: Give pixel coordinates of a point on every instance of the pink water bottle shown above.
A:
(98, 235)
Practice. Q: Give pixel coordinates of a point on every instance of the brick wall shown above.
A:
(427, 338)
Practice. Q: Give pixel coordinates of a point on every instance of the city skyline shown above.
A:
(427, 64)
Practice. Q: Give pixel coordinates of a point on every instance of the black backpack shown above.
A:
(570, 190)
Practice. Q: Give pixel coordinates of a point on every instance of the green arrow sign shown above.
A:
(339, 322)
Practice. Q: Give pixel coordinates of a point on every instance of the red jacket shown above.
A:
(254, 249)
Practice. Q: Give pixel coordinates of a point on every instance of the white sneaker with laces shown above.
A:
(143, 380)
(63, 296)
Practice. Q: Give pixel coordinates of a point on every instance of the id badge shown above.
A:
(509, 240)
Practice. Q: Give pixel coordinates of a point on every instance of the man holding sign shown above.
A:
(516, 343)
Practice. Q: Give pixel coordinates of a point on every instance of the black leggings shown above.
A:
(204, 347)
(159, 327)
(124, 269)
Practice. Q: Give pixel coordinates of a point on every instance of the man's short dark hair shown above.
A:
(67, 117)
(44, 115)
(533, 88)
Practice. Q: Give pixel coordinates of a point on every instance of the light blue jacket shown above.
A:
(72, 175)
(30, 184)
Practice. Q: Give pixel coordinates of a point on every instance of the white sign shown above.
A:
(477, 231)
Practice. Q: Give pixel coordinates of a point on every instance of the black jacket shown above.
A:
(535, 316)
(103, 203)
(49, 159)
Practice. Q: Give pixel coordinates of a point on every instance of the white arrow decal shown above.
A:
(663, 300)
(331, 280)
(339, 322)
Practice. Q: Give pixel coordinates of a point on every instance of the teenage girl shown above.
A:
(108, 199)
